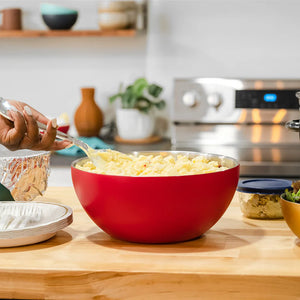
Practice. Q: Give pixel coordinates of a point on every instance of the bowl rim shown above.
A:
(281, 198)
(27, 153)
(55, 9)
(75, 14)
(157, 152)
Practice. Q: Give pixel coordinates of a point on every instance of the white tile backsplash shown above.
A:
(207, 38)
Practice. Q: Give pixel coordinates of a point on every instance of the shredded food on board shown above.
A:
(163, 164)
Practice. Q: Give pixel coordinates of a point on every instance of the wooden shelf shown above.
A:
(65, 33)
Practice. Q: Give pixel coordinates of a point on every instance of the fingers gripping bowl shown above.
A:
(157, 209)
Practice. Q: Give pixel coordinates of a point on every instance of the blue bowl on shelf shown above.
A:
(60, 22)
(58, 17)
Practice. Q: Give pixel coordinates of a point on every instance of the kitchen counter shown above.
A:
(238, 258)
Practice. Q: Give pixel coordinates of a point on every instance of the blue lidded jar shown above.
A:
(259, 197)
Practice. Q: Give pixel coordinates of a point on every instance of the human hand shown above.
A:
(23, 132)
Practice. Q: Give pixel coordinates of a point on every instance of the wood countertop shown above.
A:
(238, 258)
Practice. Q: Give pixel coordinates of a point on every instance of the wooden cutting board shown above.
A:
(238, 258)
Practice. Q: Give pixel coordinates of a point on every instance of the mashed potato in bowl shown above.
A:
(153, 164)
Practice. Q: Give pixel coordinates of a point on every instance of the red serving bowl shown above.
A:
(157, 209)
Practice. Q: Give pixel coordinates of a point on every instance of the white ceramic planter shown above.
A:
(133, 124)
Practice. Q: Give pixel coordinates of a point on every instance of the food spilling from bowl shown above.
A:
(156, 197)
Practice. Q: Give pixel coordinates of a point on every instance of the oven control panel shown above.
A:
(222, 100)
(266, 99)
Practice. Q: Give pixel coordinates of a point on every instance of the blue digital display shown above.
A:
(270, 97)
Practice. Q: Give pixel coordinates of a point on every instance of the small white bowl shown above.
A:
(113, 20)
(112, 6)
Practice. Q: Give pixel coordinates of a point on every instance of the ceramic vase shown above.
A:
(88, 118)
(133, 124)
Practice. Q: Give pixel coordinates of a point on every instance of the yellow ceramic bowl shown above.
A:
(291, 214)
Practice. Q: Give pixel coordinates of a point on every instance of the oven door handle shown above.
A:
(293, 125)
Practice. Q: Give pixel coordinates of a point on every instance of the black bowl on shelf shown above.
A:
(60, 21)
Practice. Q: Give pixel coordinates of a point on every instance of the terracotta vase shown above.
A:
(88, 118)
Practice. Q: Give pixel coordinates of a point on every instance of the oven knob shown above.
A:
(214, 100)
(190, 98)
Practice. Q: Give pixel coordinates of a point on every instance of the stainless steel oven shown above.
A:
(241, 118)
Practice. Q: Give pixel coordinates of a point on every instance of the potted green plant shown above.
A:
(135, 118)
